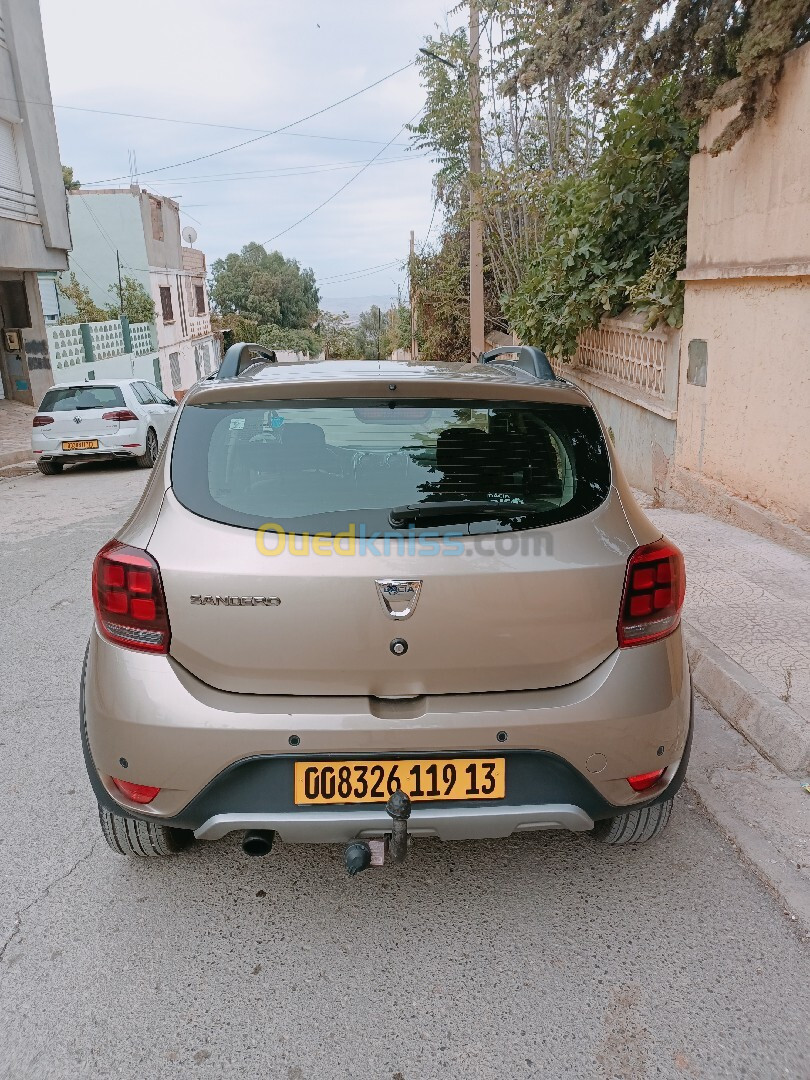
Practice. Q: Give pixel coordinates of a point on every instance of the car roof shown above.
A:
(93, 382)
(329, 378)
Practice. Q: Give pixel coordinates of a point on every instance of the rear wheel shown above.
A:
(50, 468)
(126, 836)
(636, 827)
(148, 459)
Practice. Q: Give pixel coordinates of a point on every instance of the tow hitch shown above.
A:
(362, 854)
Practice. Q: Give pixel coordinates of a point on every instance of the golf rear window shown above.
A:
(69, 398)
(320, 466)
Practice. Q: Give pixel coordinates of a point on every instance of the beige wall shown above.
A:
(748, 207)
(749, 427)
(748, 297)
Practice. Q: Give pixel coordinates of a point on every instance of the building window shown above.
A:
(199, 293)
(174, 367)
(166, 303)
(156, 209)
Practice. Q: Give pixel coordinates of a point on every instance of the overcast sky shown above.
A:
(255, 64)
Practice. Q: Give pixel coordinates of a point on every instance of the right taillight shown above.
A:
(121, 415)
(40, 420)
(129, 600)
(654, 589)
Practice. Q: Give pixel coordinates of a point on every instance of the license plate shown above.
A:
(423, 779)
(81, 444)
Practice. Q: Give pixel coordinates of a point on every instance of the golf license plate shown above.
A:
(423, 779)
(81, 444)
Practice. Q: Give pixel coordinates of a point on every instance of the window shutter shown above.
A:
(9, 167)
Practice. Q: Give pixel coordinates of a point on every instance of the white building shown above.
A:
(141, 230)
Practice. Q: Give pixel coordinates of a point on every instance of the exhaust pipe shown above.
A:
(258, 842)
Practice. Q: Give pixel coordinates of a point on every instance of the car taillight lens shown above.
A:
(139, 793)
(654, 589)
(640, 782)
(119, 414)
(41, 421)
(129, 600)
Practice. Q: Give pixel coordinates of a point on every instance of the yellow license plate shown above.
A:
(423, 779)
(81, 444)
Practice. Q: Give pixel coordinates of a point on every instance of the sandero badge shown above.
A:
(236, 601)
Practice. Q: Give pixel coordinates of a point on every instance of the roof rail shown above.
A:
(241, 356)
(528, 358)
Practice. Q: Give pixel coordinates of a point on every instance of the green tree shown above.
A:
(617, 235)
(87, 310)
(67, 179)
(264, 287)
(337, 335)
(721, 52)
(133, 300)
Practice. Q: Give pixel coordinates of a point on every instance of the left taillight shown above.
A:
(121, 415)
(40, 420)
(654, 589)
(129, 599)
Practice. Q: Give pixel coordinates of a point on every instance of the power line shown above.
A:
(337, 279)
(265, 135)
(343, 187)
(205, 123)
(103, 232)
(314, 170)
(86, 274)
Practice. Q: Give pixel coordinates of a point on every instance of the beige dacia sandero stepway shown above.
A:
(364, 601)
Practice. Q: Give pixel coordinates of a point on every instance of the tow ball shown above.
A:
(362, 854)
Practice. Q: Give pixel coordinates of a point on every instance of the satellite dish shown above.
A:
(189, 234)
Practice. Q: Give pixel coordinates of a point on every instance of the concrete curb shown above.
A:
(14, 457)
(770, 866)
(778, 732)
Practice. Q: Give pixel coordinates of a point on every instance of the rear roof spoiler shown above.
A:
(527, 357)
(242, 355)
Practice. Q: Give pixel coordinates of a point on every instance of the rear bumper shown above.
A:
(123, 444)
(224, 761)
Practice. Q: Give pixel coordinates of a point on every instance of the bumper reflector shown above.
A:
(642, 781)
(139, 793)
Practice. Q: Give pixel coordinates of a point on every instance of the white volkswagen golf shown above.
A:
(114, 418)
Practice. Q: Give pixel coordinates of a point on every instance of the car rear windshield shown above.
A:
(69, 398)
(321, 466)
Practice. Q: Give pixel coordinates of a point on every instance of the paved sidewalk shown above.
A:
(750, 597)
(15, 432)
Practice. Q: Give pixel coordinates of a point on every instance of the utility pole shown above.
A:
(120, 285)
(412, 293)
(477, 342)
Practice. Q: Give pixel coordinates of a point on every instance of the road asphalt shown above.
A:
(545, 956)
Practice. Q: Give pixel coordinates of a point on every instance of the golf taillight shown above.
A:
(140, 793)
(654, 589)
(40, 420)
(129, 600)
(119, 414)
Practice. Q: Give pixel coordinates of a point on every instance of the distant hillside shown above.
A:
(354, 305)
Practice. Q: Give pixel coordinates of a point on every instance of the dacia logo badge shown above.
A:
(398, 598)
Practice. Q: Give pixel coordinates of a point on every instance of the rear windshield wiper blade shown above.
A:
(461, 510)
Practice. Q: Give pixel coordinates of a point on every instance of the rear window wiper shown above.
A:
(460, 510)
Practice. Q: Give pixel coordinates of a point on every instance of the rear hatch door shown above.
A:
(415, 584)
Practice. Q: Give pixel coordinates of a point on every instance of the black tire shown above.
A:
(636, 827)
(148, 459)
(50, 468)
(127, 836)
